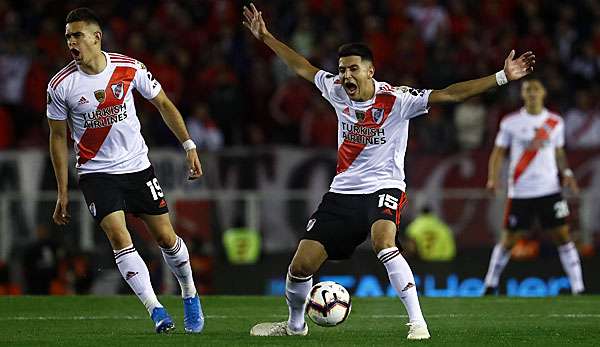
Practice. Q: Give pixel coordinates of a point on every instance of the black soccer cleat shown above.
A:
(490, 291)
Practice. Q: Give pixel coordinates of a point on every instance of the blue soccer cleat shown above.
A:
(193, 318)
(162, 321)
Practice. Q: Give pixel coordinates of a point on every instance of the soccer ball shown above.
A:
(328, 304)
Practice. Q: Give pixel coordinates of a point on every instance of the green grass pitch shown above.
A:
(122, 321)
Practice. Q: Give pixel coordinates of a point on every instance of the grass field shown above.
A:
(121, 321)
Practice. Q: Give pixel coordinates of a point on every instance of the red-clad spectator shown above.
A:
(50, 42)
(170, 76)
(319, 126)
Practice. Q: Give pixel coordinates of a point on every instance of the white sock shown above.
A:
(296, 291)
(401, 278)
(178, 259)
(498, 261)
(572, 266)
(135, 272)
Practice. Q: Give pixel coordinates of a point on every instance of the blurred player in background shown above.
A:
(536, 139)
(367, 193)
(92, 96)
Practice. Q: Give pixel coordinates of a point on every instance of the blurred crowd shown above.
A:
(233, 91)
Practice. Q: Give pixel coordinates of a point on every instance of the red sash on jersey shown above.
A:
(92, 138)
(349, 151)
(542, 133)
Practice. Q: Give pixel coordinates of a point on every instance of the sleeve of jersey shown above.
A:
(146, 84)
(324, 81)
(56, 108)
(413, 102)
(503, 137)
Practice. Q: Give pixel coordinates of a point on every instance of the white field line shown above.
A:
(383, 316)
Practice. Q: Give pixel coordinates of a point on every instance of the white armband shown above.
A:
(501, 77)
(568, 173)
(188, 144)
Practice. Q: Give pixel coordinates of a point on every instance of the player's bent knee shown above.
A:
(380, 245)
(303, 268)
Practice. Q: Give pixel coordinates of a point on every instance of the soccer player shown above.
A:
(92, 96)
(536, 139)
(367, 193)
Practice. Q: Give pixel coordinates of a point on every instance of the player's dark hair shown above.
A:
(532, 78)
(83, 14)
(355, 48)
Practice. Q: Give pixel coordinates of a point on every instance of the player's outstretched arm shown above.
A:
(568, 178)
(494, 166)
(255, 23)
(174, 121)
(60, 161)
(514, 69)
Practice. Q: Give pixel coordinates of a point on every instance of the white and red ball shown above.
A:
(328, 304)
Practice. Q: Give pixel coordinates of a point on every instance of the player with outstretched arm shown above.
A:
(93, 97)
(536, 137)
(367, 193)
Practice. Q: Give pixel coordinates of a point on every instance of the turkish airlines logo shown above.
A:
(117, 90)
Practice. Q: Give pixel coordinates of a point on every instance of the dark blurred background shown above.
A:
(268, 139)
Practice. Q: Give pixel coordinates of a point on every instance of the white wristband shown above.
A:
(568, 173)
(501, 78)
(188, 144)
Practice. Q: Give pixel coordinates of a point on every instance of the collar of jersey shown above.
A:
(541, 114)
(100, 74)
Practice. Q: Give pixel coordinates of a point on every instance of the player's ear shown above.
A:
(98, 36)
(371, 71)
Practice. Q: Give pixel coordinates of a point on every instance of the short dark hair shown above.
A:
(83, 14)
(356, 48)
(533, 78)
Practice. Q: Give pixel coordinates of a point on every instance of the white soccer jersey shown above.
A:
(101, 113)
(372, 135)
(533, 140)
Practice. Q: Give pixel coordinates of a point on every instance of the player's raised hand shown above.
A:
(61, 216)
(254, 22)
(520, 67)
(195, 169)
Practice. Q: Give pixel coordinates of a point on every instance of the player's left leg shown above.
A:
(569, 257)
(554, 211)
(383, 237)
(383, 209)
(177, 257)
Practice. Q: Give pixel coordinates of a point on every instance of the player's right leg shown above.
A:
(498, 260)
(134, 270)
(518, 215)
(309, 257)
(104, 197)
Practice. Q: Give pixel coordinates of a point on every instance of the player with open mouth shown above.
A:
(368, 192)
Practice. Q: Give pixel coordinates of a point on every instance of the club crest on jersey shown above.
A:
(92, 208)
(117, 90)
(377, 114)
(100, 95)
(310, 224)
(360, 116)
